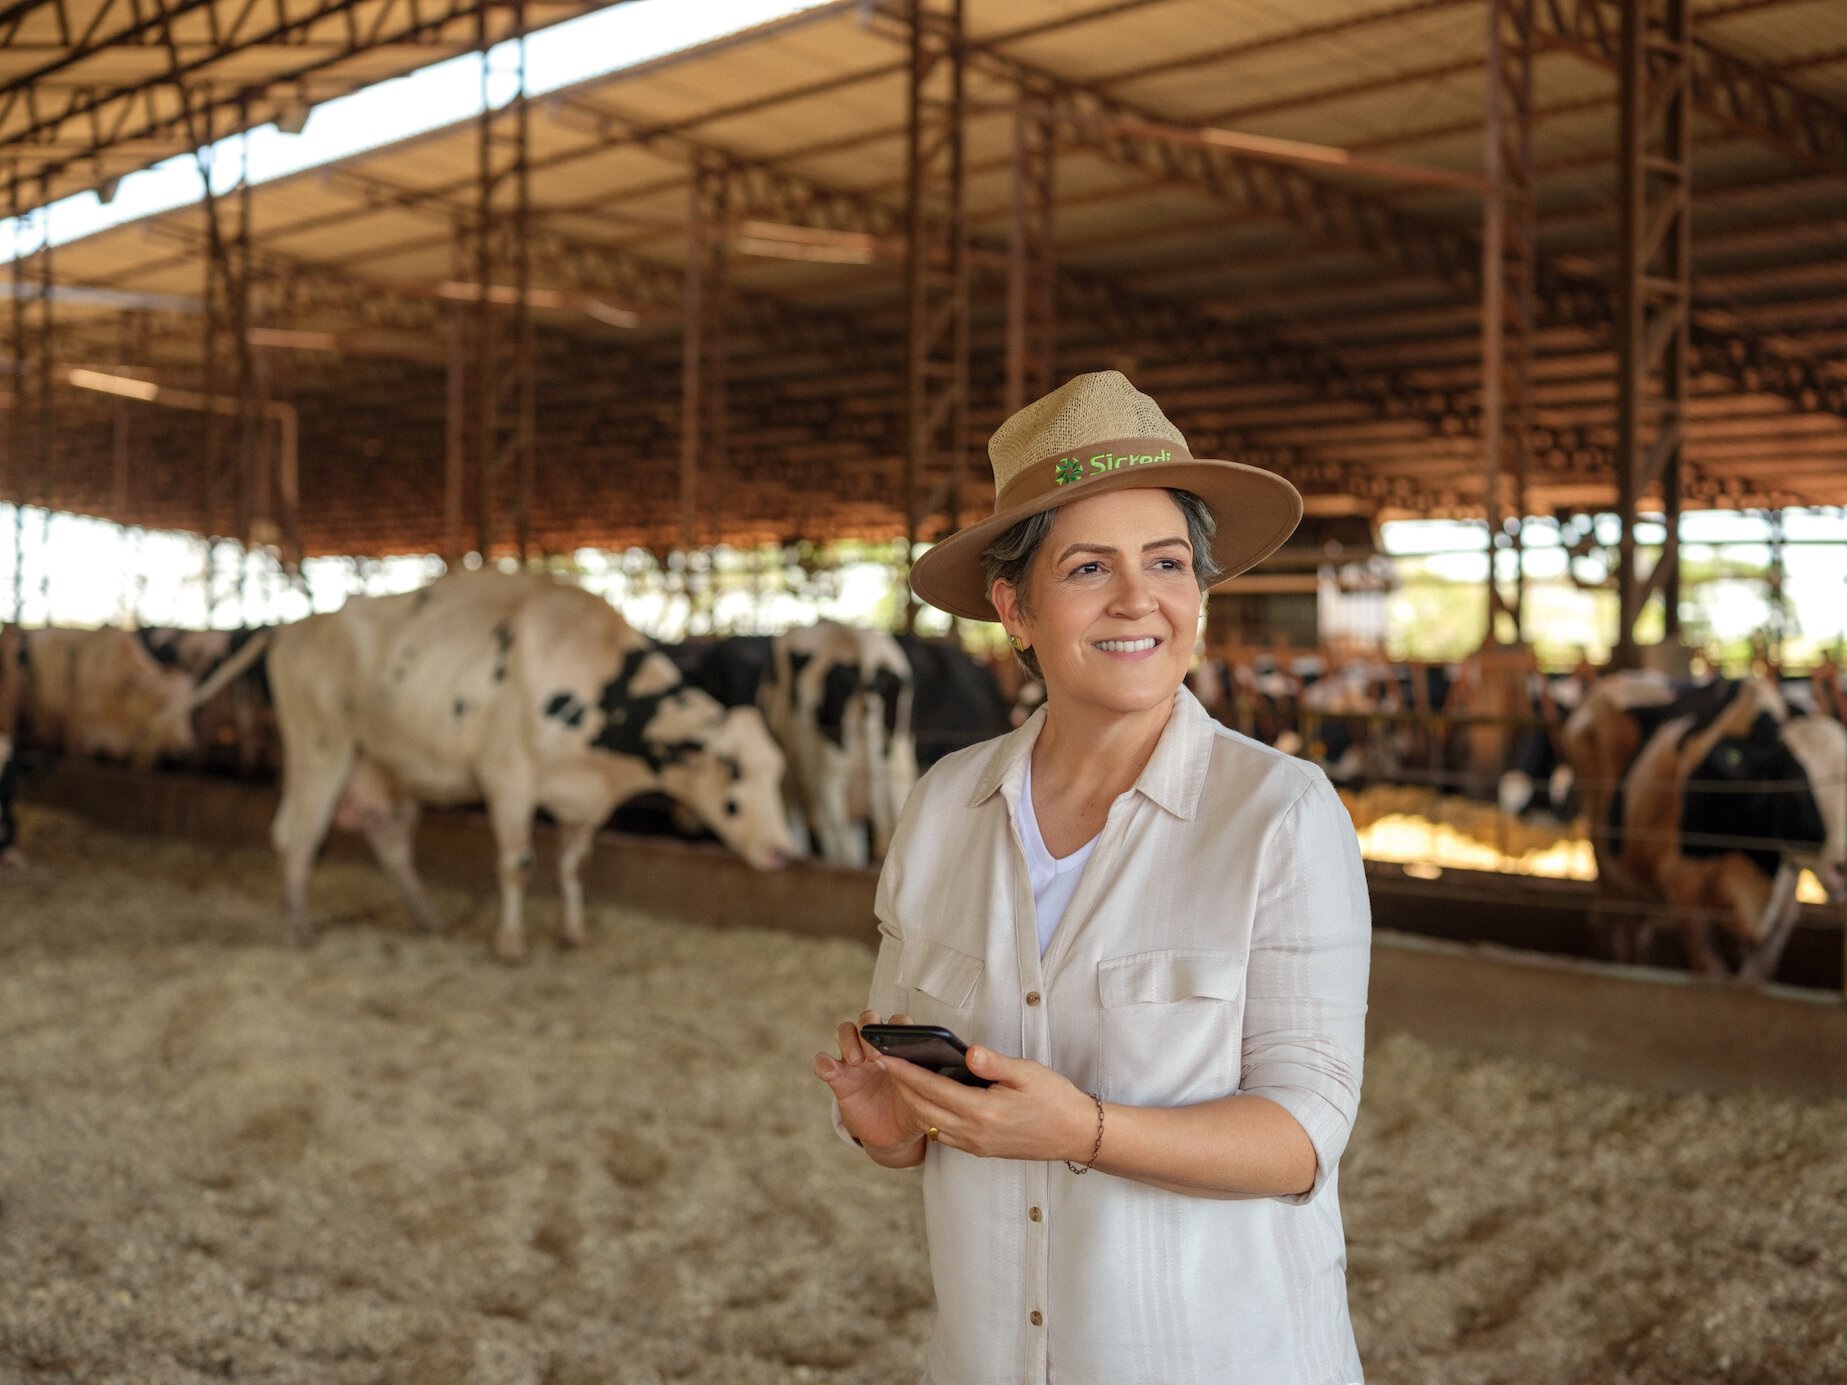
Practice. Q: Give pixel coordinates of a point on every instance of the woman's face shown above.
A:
(1110, 605)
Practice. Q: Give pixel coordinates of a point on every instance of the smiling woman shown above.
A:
(1152, 933)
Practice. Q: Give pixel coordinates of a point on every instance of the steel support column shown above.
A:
(1032, 275)
(16, 415)
(455, 416)
(936, 271)
(1508, 265)
(505, 384)
(1654, 315)
(43, 418)
(704, 396)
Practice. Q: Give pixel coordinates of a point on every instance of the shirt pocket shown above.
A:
(938, 983)
(1171, 1026)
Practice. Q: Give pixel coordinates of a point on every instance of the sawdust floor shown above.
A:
(388, 1159)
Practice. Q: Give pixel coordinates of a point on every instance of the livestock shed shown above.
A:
(1501, 260)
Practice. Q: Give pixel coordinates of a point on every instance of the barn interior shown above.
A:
(1530, 263)
(1550, 260)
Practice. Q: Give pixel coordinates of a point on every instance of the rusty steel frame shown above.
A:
(1655, 300)
(109, 116)
(1510, 251)
(936, 271)
(504, 386)
(705, 406)
(16, 415)
(1749, 99)
(1032, 278)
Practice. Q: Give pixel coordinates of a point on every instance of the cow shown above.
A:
(838, 701)
(235, 728)
(100, 694)
(958, 700)
(516, 691)
(1711, 798)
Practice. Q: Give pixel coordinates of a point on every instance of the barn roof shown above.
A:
(1321, 319)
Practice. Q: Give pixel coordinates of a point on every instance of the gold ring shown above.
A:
(932, 1133)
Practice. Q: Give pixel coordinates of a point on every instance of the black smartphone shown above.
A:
(927, 1045)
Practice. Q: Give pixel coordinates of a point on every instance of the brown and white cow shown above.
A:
(1712, 799)
(100, 694)
(512, 690)
(838, 700)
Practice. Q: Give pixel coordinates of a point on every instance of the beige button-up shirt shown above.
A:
(1218, 942)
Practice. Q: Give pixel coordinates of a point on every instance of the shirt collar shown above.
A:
(1174, 777)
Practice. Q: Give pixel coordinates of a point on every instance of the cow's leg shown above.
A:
(574, 842)
(510, 814)
(1771, 927)
(393, 837)
(311, 787)
(842, 844)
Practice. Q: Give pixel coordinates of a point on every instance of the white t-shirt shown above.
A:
(1054, 879)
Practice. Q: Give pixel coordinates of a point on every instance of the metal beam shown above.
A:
(1032, 271)
(704, 351)
(936, 270)
(1747, 98)
(1510, 231)
(1655, 316)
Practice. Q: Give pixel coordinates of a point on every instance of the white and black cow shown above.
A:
(958, 700)
(512, 690)
(1712, 798)
(838, 699)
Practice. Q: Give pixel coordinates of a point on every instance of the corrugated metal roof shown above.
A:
(1320, 335)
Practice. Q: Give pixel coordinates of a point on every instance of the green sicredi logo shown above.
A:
(1069, 469)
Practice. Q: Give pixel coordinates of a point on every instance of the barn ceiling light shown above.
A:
(291, 339)
(124, 385)
(777, 240)
(1292, 151)
(292, 114)
(565, 300)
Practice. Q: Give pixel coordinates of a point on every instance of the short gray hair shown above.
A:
(1010, 556)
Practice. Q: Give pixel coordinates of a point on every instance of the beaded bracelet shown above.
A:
(1095, 1149)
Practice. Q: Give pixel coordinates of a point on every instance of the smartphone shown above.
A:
(927, 1045)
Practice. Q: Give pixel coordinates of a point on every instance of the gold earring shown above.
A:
(1019, 645)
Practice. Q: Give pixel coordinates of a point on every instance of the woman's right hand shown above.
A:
(872, 1106)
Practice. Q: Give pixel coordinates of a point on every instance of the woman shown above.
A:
(1152, 932)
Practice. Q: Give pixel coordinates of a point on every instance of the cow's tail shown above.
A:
(231, 669)
(215, 683)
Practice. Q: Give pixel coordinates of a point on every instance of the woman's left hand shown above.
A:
(1030, 1112)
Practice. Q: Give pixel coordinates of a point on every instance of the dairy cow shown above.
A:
(101, 694)
(958, 700)
(235, 727)
(838, 700)
(1711, 798)
(512, 690)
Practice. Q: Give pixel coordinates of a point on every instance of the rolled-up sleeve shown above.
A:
(1305, 991)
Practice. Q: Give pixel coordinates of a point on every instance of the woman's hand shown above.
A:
(872, 1106)
(1029, 1113)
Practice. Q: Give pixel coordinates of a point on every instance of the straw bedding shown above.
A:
(389, 1159)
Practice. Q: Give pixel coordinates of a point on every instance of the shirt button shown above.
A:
(1037, 1317)
(1032, 997)
(1033, 1214)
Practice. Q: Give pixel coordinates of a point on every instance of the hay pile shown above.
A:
(391, 1160)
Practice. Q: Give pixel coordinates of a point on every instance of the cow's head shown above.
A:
(730, 775)
(1820, 747)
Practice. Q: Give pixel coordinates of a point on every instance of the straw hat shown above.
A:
(1098, 433)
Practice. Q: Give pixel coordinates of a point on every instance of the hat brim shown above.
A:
(1255, 510)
